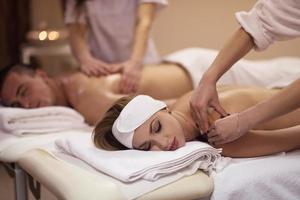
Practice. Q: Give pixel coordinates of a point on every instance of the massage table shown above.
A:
(269, 177)
(28, 159)
(39, 164)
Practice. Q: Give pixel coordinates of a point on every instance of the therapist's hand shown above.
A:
(229, 128)
(205, 96)
(131, 75)
(94, 67)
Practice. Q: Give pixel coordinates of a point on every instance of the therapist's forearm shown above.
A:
(146, 14)
(237, 46)
(78, 43)
(279, 104)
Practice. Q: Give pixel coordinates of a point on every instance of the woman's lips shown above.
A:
(174, 145)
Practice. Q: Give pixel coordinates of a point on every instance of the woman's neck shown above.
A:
(191, 132)
(189, 129)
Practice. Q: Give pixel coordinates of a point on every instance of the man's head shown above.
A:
(23, 86)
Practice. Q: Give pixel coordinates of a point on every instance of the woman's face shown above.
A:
(162, 132)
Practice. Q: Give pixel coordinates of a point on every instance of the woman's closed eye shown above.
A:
(157, 126)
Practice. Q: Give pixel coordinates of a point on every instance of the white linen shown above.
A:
(271, 73)
(132, 165)
(269, 177)
(271, 20)
(20, 121)
(12, 147)
(130, 190)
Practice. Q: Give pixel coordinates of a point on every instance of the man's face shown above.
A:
(23, 90)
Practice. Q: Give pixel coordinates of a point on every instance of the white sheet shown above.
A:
(131, 190)
(269, 177)
(132, 165)
(271, 73)
(20, 121)
(12, 147)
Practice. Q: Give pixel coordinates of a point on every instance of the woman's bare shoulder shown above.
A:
(239, 98)
(183, 103)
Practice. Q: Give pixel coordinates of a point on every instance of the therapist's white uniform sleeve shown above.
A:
(271, 20)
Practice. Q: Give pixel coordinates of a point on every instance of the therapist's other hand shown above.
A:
(205, 96)
(228, 129)
(94, 67)
(131, 75)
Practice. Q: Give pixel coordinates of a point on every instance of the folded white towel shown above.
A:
(20, 121)
(132, 165)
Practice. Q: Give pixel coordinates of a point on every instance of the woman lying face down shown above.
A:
(144, 123)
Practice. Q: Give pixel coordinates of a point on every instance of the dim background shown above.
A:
(184, 23)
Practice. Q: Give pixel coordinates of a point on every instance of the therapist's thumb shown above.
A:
(219, 109)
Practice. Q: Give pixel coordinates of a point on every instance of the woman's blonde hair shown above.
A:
(102, 133)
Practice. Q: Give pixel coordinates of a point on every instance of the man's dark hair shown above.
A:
(19, 68)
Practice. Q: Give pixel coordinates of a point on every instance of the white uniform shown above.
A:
(111, 26)
(271, 20)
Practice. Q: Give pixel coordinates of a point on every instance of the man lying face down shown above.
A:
(91, 96)
(26, 87)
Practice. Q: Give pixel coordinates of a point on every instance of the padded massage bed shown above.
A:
(270, 177)
(79, 181)
(95, 185)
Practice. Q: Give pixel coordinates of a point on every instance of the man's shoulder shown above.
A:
(73, 78)
(73, 83)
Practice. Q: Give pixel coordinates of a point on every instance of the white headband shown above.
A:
(134, 114)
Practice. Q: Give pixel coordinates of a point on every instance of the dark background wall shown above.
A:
(14, 23)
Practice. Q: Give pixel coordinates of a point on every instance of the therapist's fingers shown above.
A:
(127, 84)
(128, 87)
(218, 108)
(90, 71)
(199, 114)
(204, 125)
(102, 69)
(211, 133)
(215, 140)
(115, 68)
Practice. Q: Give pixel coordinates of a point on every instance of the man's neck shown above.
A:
(59, 92)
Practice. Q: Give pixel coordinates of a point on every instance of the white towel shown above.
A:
(273, 73)
(268, 177)
(133, 165)
(20, 121)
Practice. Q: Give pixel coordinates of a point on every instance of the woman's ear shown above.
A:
(168, 110)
